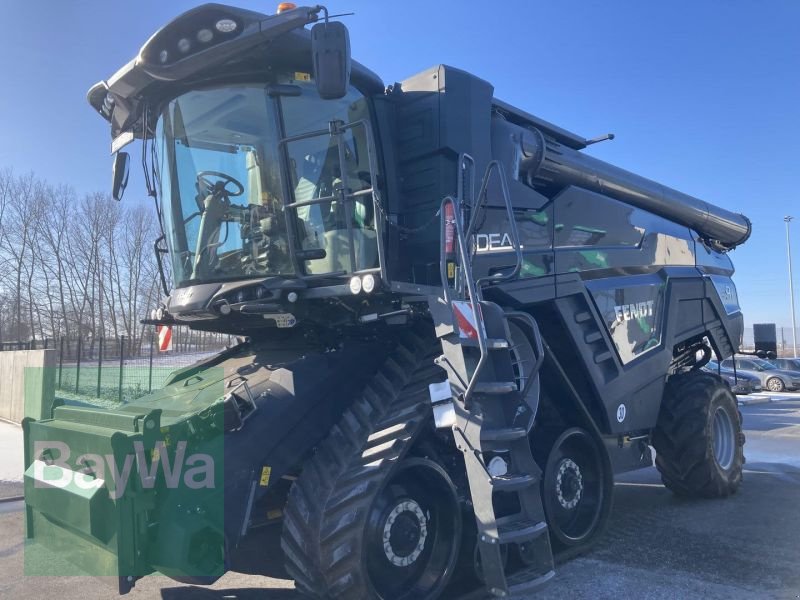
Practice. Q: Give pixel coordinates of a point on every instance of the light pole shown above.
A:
(787, 219)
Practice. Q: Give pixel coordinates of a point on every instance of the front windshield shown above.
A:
(224, 191)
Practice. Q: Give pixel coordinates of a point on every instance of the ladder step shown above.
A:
(497, 344)
(506, 434)
(512, 482)
(495, 387)
(491, 343)
(517, 532)
(526, 581)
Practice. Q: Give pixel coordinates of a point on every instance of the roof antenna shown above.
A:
(600, 138)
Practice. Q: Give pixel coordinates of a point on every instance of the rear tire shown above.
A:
(699, 439)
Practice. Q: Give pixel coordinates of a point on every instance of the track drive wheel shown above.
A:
(364, 522)
(699, 439)
(576, 490)
(413, 532)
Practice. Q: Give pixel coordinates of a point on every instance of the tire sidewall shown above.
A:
(410, 463)
(684, 436)
(725, 399)
(549, 499)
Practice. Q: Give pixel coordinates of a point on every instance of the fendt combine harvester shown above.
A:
(456, 327)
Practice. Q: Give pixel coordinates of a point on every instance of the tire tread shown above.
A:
(682, 438)
(329, 502)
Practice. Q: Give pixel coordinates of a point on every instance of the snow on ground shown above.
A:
(762, 397)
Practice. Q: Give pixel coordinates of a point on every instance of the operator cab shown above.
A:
(258, 146)
(253, 186)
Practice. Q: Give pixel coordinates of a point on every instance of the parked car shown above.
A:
(741, 383)
(791, 364)
(772, 378)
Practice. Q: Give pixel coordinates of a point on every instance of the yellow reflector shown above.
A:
(265, 473)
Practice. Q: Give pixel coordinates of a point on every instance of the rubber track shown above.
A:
(329, 502)
(684, 454)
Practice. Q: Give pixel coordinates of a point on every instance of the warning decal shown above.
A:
(465, 319)
(164, 338)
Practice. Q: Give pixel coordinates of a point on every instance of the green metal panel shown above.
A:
(132, 522)
(88, 511)
(91, 416)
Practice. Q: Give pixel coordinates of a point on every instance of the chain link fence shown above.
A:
(121, 369)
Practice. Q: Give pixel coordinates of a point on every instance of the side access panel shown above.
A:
(439, 114)
(625, 328)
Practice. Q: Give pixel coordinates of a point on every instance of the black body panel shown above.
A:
(615, 288)
(613, 360)
(300, 391)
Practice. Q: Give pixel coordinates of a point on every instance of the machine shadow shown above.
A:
(200, 593)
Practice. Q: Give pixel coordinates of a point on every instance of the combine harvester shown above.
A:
(457, 328)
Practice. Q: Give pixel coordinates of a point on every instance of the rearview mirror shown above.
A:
(330, 55)
(122, 161)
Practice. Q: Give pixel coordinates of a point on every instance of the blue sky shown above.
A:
(703, 96)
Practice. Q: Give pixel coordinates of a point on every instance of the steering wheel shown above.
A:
(204, 181)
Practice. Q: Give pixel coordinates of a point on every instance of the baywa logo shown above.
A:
(195, 471)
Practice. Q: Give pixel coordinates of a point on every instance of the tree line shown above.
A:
(73, 265)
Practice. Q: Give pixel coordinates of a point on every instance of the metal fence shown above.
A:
(121, 369)
(30, 345)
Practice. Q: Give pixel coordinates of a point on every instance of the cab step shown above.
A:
(519, 531)
(512, 482)
(523, 582)
(503, 434)
(491, 343)
(495, 388)
(497, 344)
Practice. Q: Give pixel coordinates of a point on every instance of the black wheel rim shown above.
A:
(575, 493)
(413, 532)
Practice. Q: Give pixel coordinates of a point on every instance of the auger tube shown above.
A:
(549, 162)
